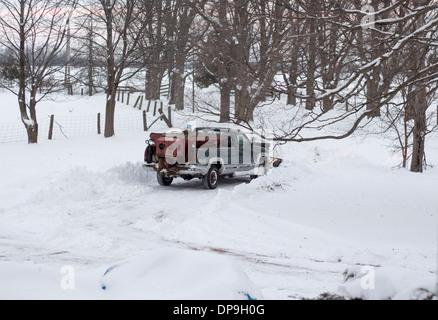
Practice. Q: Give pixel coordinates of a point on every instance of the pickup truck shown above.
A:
(208, 154)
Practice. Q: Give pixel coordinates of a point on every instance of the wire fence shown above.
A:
(16, 132)
(67, 126)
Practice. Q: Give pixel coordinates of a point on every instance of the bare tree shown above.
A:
(182, 39)
(34, 31)
(215, 57)
(421, 58)
(401, 128)
(154, 50)
(119, 29)
(401, 45)
(246, 44)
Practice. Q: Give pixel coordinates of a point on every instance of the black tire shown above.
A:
(211, 180)
(163, 180)
(149, 155)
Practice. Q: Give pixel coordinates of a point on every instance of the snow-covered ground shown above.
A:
(331, 211)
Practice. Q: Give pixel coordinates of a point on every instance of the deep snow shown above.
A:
(331, 208)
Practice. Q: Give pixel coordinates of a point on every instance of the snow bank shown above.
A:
(162, 273)
(178, 274)
(82, 184)
(29, 281)
(388, 284)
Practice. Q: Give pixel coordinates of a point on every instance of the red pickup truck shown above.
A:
(207, 154)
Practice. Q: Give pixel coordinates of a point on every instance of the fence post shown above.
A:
(155, 108)
(149, 105)
(123, 96)
(145, 121)
(165, 119)
(118, 95)
(136, 102)
(127, 101)
(169, 111)
(141, 103)
(161, 106)
(52, 120)
(98, 124)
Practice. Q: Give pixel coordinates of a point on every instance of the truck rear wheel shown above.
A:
(163, 180)
(211, 180)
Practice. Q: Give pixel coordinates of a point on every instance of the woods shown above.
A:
(335, 61)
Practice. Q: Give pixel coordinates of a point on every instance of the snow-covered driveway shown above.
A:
(87, 202)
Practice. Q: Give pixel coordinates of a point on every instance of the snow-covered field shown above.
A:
(331, 211)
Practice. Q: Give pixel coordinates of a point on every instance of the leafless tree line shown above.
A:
(34, 32)
(355, 58)
(334, 60)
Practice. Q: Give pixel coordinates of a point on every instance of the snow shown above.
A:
(392, 284)
(179, 274)
(331, 208)
(161, 273)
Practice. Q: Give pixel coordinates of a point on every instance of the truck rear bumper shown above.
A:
(183, 171)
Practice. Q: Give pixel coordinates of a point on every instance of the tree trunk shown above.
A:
(373, 90)
(292, 82)
(110, 112)
(419, 105)
(419, 132)
(225, 102)
(242, 99)
(373, 98)
(418, 146)
(111, 77)
(324, 62)
(30, 123)
(32, 133)
(90, 60)
(154, 77)
(311, 67)
(178, 83)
